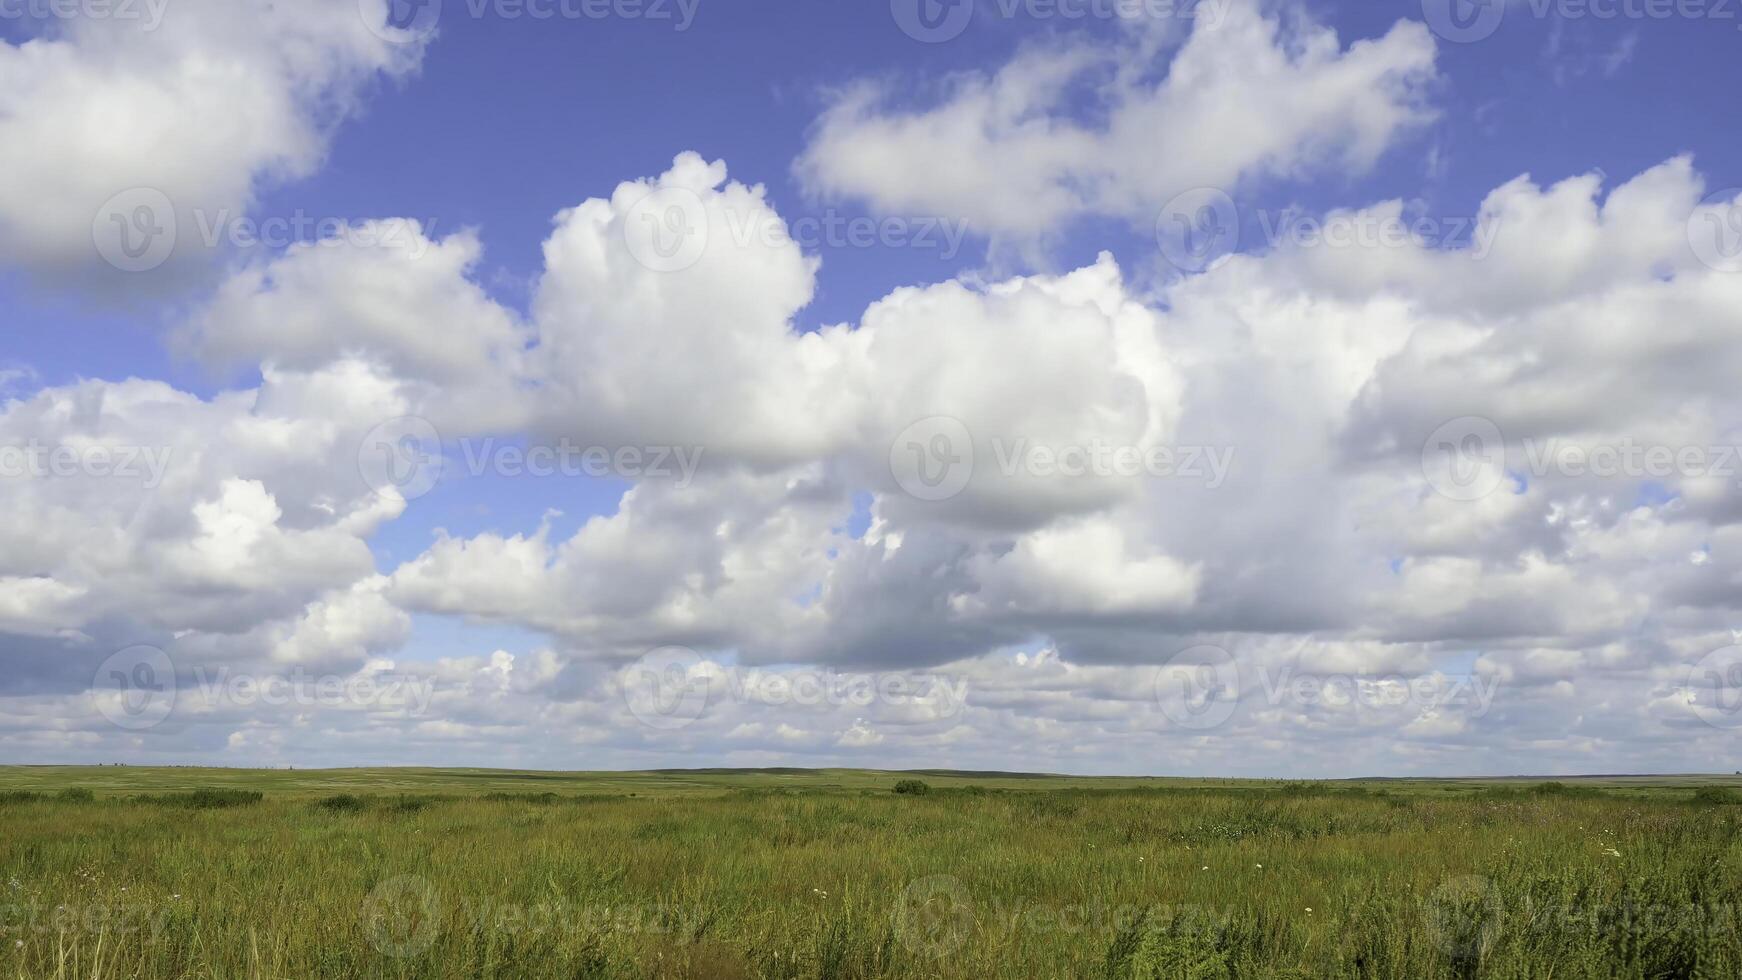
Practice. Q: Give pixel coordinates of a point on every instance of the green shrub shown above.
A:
(343, 803)
(912, 787)
(542, 798)
(411, 804)
(1553, 788)
(1169, 948)
(75, 794)
(205, 799)
(1716, 796)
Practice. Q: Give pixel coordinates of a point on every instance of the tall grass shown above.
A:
(1301, 881)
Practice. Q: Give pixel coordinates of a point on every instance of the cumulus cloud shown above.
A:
(187, 117)
(1317, 546)
(235, 526)
(1282, 96)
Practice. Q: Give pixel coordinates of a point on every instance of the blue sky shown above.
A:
(510, 120)
(1321, 370)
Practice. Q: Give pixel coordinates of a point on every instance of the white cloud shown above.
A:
(405, 299)
(1248, 95)
(1326, 549)
(150, 513)
(205, 107)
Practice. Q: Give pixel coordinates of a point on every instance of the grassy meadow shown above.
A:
(189, 873)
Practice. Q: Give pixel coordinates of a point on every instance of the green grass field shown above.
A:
(182, 873)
